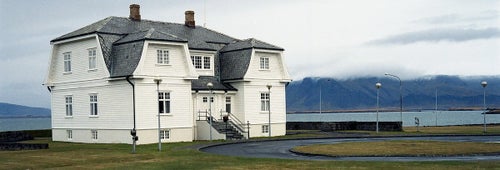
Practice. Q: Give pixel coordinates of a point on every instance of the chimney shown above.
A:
(189, 19)
(135, 14)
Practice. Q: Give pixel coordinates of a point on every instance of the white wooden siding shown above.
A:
(114, 107)
(179, 61)
(180, 104)
(79, 62)
(275, 71)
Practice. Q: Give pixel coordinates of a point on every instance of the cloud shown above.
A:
(457, 18)
(437, 35)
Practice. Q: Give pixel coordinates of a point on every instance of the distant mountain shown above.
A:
(360, 93)
(13, 110)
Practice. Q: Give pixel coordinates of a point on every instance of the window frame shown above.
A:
(69, 105)
(161, 58)
(265, 129)
(202, 62)
(265, 101)
(94, 134)
(163, 108)
(92, 56)
(264, 63)
(69, 134)
(94, 105)
(228, 104)
(165, 134)
(67, 62)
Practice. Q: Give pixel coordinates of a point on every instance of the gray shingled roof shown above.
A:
(202, 81)
(250, 43)
(122, 41)
(234, 64)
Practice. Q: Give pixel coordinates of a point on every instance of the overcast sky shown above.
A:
(339, 39)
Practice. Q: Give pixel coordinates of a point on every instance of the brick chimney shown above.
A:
(135, 14)
(189, 19)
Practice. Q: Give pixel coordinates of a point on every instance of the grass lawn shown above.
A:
(61, 155)
(433, 130)
(401, 148)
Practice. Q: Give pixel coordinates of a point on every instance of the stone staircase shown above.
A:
(228, 129)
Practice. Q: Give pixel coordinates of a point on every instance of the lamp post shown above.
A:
(436, 108)
(269, 107)
(484, 84)
(320, 97)
(378, 85)
(157, 80)
(400, 96)
(210, 86)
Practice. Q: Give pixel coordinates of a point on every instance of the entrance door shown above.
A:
(204, 105)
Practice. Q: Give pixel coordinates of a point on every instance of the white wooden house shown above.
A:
(119, 74)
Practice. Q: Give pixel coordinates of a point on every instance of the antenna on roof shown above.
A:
(204, 13)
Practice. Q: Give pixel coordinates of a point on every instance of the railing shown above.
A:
(202, 114)
(237, 123)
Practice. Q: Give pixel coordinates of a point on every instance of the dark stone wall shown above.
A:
(334, 126)
(22, 146)
(14, 136)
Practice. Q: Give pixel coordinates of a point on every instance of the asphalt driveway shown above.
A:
(281, 148)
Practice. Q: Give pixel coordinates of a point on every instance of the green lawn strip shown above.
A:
(435, 130)
(401, 148)
(62, 155)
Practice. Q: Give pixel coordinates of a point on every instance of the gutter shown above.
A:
(133, 96)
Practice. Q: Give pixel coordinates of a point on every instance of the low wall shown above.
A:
(334, 126)
(22, 146)
(14, 136)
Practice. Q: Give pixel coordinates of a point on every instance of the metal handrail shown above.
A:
(239, 125)
(200, 116)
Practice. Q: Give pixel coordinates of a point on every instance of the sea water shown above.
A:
(426, 118)
(16, 124)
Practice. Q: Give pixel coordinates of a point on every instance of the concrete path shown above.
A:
(281, 148)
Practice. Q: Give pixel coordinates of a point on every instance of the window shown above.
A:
(165, 134)
(205, 99)
(69, 105)
(69, 134)
(162, 57)
(94, 134)
(92, 58)
(164, 102)
(264, 101)
(67, 62)
(265, 128)
(264, 63)
(93, 105)
(196, 62)
(228, 104)
(204, 64)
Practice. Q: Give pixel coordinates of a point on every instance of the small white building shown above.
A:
(119, 74)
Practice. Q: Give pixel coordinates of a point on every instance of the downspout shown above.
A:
(133, 132)
(133, 96)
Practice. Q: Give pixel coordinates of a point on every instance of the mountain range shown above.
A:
(13, 110)
(420, 93)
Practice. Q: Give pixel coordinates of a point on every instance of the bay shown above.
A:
(16, 124)
(426, 118)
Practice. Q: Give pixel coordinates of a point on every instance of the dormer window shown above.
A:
(67, 62)
(264, 63)
(201, 62)
(163, 57)
(92, 59)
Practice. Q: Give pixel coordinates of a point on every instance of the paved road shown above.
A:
(280, 149)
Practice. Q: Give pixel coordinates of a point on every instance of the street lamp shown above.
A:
(400, 96)
(484, 84)
(210, 86)
(378, 85)
(157, 80)
(269, 108)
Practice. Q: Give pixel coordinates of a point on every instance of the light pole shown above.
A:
(436, 108)
(400, 96)
(269, 107)
(320, 97)
(158, 81)
(210, 86)
(484, 84)
(378, 85)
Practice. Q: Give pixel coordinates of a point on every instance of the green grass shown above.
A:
(61, 155)
(401, 148)
(433, 130)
